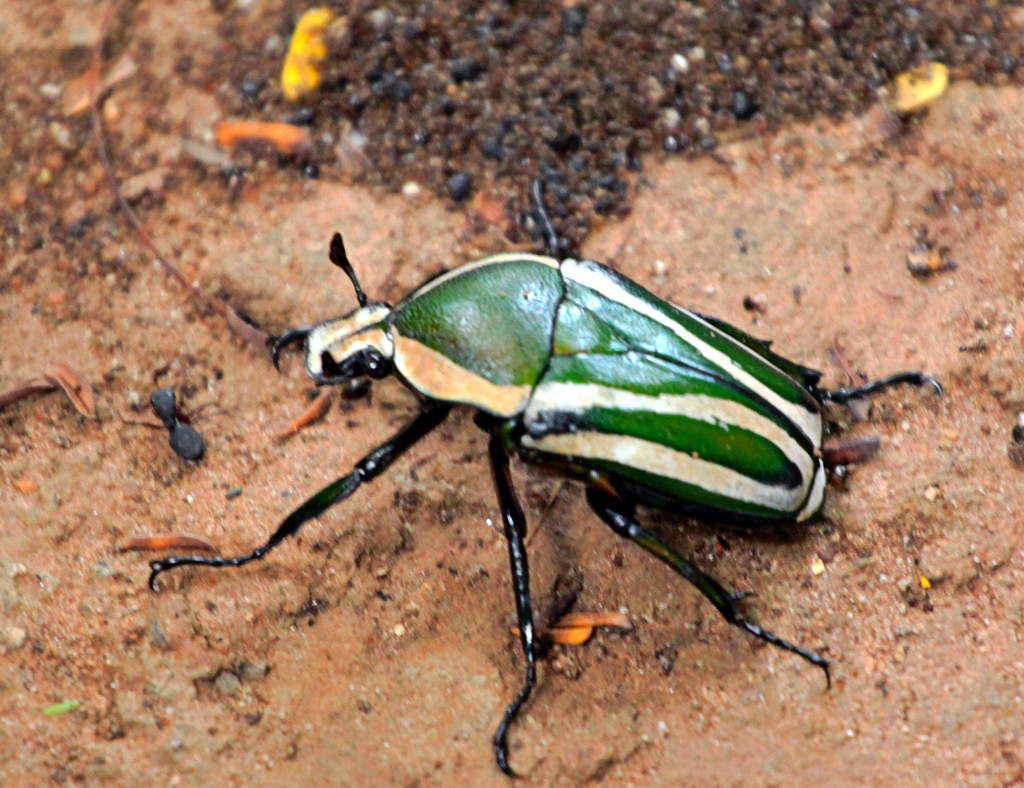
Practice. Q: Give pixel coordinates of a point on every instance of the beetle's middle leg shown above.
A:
(515, 531)
(619, 516)
(845, 395)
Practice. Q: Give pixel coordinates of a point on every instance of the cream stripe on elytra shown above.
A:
(435, 375)
(808, 422)
(494, 259)
(660, 460)
(577, 397)
(817, 493)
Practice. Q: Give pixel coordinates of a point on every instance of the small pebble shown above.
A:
(234, 492)
(679, 63)
(13, 637)
(574, 20)
(465, 69)
(743, 106)
(411, 190)
(460, 185)
(227, 683)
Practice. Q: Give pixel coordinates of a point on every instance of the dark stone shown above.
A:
(460, 185)
(743, 106)
(574, 20)
(466, 69)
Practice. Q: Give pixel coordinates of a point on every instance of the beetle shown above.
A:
(573, 366)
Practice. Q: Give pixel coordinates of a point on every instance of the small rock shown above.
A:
(12, 637)
(574, 20)
(234, 492)
(679, 63)
(465, 69)
(460, 185)
(743, 106)
(151, 182)
(411, 190)
(253, 671)
(227, 683)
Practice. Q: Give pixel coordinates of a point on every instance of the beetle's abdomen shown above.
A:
(635, 391)
(480, 334)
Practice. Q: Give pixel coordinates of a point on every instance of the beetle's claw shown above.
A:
(279, 343)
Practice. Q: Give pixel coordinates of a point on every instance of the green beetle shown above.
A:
(572, 366)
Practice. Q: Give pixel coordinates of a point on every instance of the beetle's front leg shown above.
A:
(515, 531)
(290, 337)
(373, 464)
(619, 516)
(845, 395)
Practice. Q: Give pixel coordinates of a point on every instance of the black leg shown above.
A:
(845, 395)
(515, 532)
(619, 516)
(432, 414)
(554, 244)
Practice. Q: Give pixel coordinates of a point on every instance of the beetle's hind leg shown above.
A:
(619, 516)
(845, 395)
(515, 531)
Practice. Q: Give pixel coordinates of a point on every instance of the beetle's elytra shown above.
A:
(573, 366)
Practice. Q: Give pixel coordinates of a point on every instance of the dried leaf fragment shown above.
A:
(300, 74)
(574, 629)
(916, 89)
(171, 542)
(316, 410)
(285, 138)
(77, 391)
(81, 91)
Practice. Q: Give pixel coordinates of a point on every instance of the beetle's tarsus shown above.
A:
(279, 343)
(515, 532)
(618, 514)
(843, 395)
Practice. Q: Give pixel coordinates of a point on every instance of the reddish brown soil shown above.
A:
(375, 649)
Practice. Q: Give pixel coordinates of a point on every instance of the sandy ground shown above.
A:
(375, 648)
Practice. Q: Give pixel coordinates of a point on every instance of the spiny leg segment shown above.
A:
(619, 516)
(515, 531)
(845, 395)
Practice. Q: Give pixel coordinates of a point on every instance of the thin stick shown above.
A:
(238, 326)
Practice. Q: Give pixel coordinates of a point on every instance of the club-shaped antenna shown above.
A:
(340, 259)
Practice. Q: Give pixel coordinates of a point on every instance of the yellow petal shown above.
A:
(913, 90)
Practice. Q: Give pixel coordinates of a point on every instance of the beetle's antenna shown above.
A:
(340, 259)
(554, 243)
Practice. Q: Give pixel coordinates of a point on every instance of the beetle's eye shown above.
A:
(376, 365)
(329, 365)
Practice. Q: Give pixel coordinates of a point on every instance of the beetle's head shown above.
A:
(354, 346)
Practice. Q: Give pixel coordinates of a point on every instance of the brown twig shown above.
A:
(238, 326)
